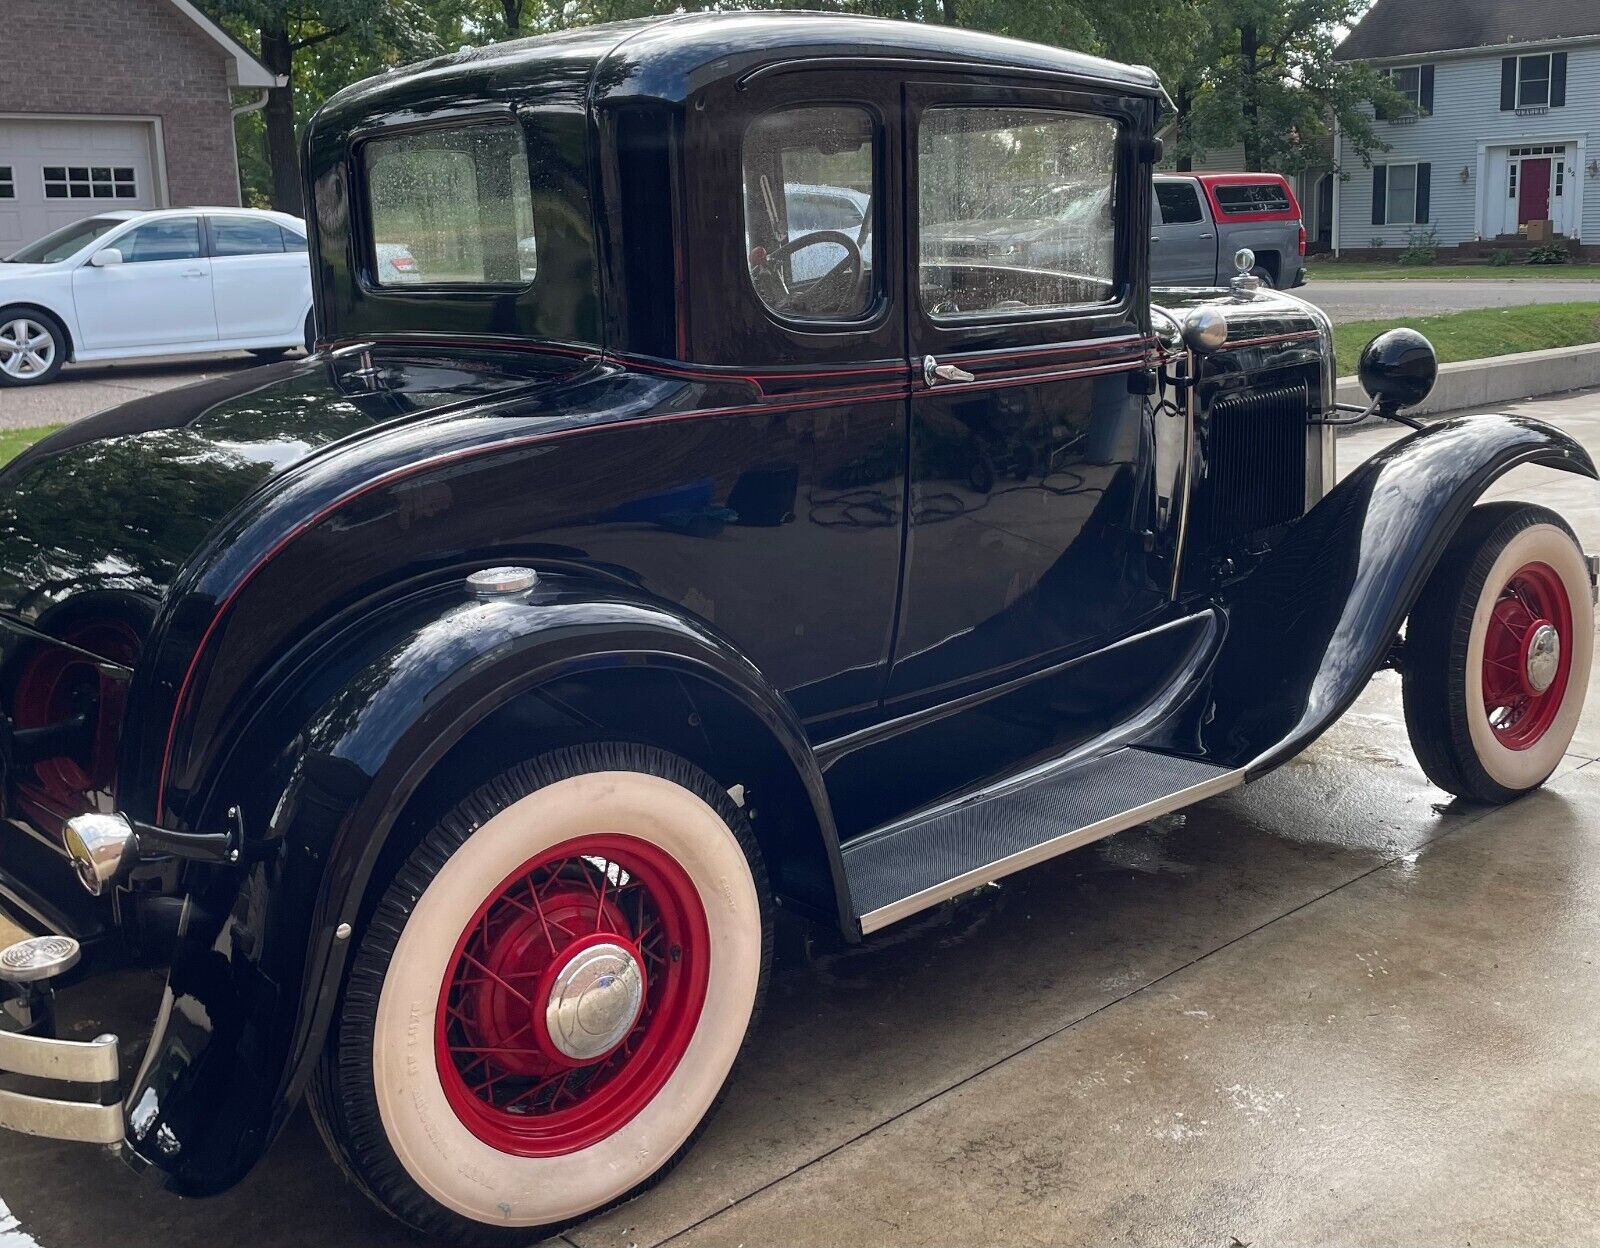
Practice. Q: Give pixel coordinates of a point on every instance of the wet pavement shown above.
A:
(1331, 1008)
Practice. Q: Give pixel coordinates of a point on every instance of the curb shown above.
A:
(1499, 379)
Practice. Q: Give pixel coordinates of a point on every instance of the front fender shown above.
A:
(257, 973)
(1315, 620)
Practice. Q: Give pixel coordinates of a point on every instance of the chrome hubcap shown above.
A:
(1544, 657)
(595, 1001)
(26, 349)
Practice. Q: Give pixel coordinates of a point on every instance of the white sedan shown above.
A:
(171, 282)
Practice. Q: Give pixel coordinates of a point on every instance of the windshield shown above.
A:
(65, 242)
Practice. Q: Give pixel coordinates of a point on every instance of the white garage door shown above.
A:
(54, 172)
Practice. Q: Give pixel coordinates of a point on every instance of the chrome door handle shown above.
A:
(934, 372)
(194, 272)
(1208, 235)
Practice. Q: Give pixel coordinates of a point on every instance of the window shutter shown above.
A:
(1508, 84)
(1424, 181)
(1427, 91)
(1380, 193)
(1558, 80)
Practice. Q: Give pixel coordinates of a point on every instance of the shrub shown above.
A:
(1501, 259)
(1549, 253)
(1422, 247)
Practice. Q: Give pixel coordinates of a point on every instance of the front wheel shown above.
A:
(548, 1000)
(33, 347)
(1497, 655)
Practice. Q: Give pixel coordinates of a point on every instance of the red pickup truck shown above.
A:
(1202, 219)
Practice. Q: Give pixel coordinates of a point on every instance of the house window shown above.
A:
(90, 182)
(8, 185)
(1407, 80)
(1561, 177)
(1533, 81)
(1511, 189)
(1401, 207)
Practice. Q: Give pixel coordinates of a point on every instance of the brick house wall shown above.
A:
(128, 57)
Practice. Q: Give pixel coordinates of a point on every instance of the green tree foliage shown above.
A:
(1256, 72)
(1262, 75)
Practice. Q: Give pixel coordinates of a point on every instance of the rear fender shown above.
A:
(260, 962)
(1312, 623)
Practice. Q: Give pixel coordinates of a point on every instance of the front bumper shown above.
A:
(90, 1068)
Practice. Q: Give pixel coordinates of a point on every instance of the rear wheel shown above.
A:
(1498, 651)
(33, 347)
(547, 1002)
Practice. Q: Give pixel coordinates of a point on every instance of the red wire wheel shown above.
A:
(572, 996)
(1527, 656)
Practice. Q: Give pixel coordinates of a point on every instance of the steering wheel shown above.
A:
(831, 291)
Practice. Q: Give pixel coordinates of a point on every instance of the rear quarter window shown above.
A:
(451, 207)
(1240, 197)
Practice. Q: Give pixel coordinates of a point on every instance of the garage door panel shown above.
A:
(81, 157)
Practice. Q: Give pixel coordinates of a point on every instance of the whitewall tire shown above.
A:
(1498, 653)
(548, 1002)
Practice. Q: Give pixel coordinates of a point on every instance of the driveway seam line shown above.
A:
(1066, 1027)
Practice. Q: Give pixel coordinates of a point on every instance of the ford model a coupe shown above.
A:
(744, 466)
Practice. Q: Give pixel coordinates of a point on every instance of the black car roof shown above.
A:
(671, 57)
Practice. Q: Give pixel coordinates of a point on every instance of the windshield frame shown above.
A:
(113, 224)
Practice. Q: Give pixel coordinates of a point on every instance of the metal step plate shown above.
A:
(900, 870)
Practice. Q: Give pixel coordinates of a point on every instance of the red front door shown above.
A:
(1533, 191)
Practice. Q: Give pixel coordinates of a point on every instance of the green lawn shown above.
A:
(1350, 271)
(1481, 332)
(14, 441)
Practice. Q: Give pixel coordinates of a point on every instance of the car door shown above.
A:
(1183, 238)
(261, 288)
(160, 295)
(1030, 495)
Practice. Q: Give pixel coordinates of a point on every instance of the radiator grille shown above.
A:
(1255, 447)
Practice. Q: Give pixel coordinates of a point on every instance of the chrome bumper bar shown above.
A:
(92, 1063)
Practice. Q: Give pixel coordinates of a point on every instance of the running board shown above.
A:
(903, 868)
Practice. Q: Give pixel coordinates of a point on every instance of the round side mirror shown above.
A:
(1398, 369)
(105, 257)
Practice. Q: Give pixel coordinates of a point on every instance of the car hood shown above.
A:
(101, 516)
(992, 230)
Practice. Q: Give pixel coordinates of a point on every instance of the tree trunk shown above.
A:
(1250, 105)
(283, 148)
(1182, 101)
(948, 9)
(511, 10)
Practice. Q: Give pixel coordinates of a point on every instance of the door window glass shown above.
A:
(451, 207)
(176, 238)
(809, 195)
(244, 236)
(1017, 210)
(293, 241)
(1180, 203)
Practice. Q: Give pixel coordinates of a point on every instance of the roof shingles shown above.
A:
(1403, 27)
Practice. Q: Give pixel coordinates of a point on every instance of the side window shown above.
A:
(1235, 197)
(176, 238)
(809, 194)
(1180, 203)
(244, 236)
(451, 207)
(1017, 210)
(293, 241)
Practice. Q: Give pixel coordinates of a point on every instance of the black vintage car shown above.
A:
(704, 521)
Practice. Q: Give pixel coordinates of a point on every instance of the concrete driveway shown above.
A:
(1360, 301)
(1331, 1008)
(83, 389)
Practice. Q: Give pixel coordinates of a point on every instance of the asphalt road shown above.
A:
(1329, 1008)
(1360, 301)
